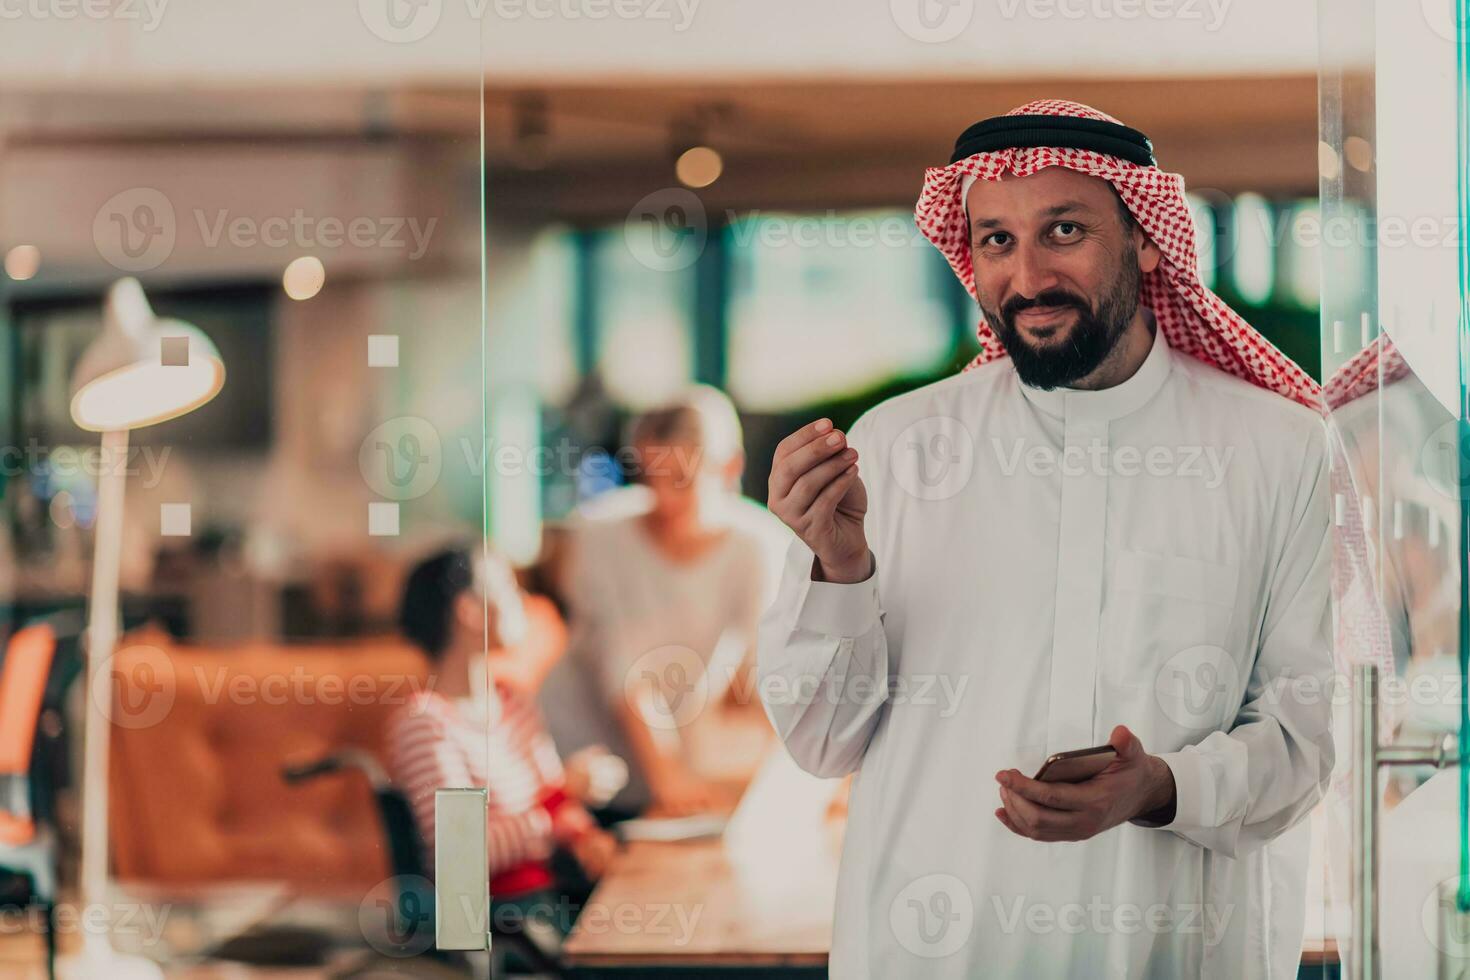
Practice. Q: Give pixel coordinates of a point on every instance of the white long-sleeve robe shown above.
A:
(1049, 564)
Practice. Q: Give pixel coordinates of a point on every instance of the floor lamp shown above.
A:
(140, 370)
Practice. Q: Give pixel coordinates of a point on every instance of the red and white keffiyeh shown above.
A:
(1195, 321)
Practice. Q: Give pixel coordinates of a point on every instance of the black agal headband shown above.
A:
(1009, 132)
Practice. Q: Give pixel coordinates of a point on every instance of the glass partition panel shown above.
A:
(241, 355)
(1392, 180)
(814, 302)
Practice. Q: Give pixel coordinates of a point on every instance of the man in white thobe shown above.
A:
(1118, 534)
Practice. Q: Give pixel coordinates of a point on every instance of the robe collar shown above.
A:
(1106, 404)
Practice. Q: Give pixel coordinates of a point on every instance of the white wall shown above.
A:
(266, 42)
(238, 209)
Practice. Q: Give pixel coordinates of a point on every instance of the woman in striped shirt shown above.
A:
(476, 725)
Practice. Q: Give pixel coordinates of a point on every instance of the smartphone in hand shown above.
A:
(1077, 765)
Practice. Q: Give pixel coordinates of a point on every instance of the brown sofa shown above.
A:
(197, 795)
(199, 739)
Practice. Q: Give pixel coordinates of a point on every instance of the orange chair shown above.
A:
(25, 848)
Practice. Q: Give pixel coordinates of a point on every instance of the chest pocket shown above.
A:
(1168, 669)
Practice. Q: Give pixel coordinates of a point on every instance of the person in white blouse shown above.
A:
(666, 585)
(1113, 529)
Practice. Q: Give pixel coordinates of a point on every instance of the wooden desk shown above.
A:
(755, 899)
(703, 904)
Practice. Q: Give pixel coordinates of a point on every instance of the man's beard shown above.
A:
(1086, 345)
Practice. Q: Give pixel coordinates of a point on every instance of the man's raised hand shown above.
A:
(816, 491)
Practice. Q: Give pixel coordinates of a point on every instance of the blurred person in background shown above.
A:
(489, 647)
(665, 581)
(751, 516)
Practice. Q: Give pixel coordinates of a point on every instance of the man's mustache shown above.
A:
(1020, 304)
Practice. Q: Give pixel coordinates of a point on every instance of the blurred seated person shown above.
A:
(465, 611)
(664, 591)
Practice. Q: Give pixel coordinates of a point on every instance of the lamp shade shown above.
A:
(141, 369)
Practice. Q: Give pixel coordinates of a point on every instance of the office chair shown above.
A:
(27, 846)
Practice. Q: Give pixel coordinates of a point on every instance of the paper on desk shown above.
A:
(779, 851)
(782, 803)
(671, 828)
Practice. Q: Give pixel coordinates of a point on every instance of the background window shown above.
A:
(644, 344)
(821, 306)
